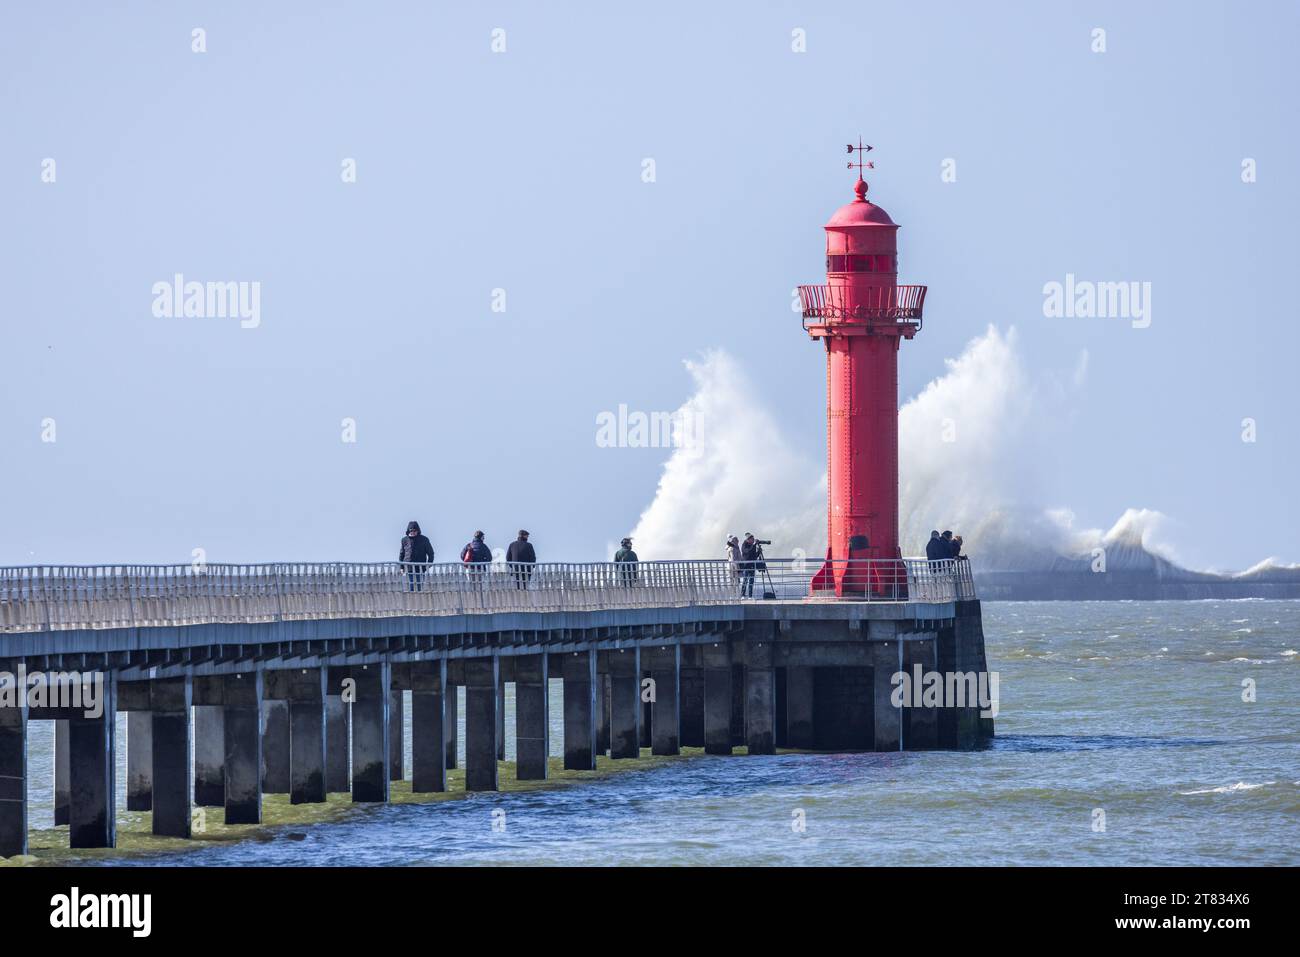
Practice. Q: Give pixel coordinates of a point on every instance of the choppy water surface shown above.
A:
(1133, 708)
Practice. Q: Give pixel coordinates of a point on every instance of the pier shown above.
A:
(243, 680)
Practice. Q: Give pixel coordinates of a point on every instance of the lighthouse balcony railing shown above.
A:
(894, 304)
(67, 597)
(867, 579)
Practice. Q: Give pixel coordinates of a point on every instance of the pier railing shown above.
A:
(67, 597)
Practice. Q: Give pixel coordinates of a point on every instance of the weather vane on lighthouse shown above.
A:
(862, 163)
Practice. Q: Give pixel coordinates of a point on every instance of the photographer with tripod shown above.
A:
(751, 561)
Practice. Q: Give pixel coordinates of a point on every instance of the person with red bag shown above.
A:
(476, 556)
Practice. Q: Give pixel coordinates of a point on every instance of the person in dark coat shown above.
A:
(477, 556)
(947, 545)
(626, 559)
(935, 549)
(749, 554)
(521, 557)
(476, 551)
(414, 550)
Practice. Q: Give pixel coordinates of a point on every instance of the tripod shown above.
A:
(760, 565)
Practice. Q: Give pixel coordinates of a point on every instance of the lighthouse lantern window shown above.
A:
(861, 264)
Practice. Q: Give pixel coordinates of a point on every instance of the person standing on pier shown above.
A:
(749, 553)
(935, 549)
(521, 557)
(626, 559)
(477, 556)
(414, 550)
(733, 558)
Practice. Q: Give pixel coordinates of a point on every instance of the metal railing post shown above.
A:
(279, 593)
(45, 602)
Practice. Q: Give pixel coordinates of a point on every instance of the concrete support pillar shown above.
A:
(482, 701)
(92, 808)
(451, 722)
(209, 757)
(760, 698)
(646, 721)
(737, 704)
(275, 746)
(370, 747)
(922, 729)
(139, 761)
(396, 736)
(624, 703)
(428, 737)
(501, 719)
(717, 697)
(241, 728)
(61, 785)
(338, 734)
(968, 655)
(799, 684)
(580, 710)
(172, 700)
(13, 777)
(307, 688)
(602, 711)
(532, 717)
(691, 688)
(781, 741)
(886, 660)
(665, 709)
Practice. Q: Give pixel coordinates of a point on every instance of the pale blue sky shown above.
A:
(523, 171)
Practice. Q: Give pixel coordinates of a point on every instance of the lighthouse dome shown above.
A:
(860, 212)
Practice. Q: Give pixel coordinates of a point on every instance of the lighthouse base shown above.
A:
(868, 677)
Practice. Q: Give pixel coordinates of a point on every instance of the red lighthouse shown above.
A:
(862, 314)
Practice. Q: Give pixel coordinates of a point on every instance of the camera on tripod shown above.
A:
(760, 567)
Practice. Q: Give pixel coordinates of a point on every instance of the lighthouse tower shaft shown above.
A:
(861, 314)
(862, 446)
